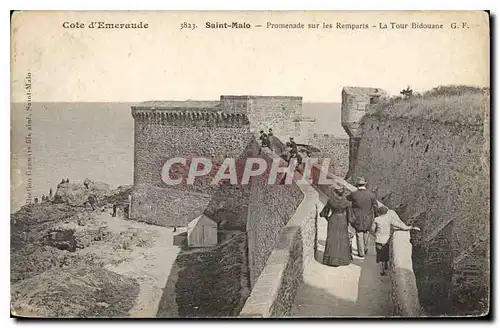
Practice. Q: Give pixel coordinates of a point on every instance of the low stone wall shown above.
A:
(274, 291)
(404, 286)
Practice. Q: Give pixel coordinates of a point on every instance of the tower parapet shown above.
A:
(356, 102)
(191, 117)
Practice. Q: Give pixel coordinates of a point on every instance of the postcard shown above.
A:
(250, 164)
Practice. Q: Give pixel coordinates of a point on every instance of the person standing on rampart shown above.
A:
(264, 140)
(270, 137)
(364, 206)
(381, 228)
(286, 154)
(293, 145)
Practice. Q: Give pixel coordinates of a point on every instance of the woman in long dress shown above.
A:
(337, 248)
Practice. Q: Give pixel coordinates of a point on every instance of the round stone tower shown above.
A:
(356, 102)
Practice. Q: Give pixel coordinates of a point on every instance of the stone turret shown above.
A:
(304, 127)
(208, 129)
(264, 112)
(356, 102)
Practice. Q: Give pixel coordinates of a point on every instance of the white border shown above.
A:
(180, 5)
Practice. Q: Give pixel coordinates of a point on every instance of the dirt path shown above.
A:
(149, 266)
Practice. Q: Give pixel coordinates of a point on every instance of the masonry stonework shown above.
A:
(211, 129)
(274, 291)
(270, 209)
(356, 102)
(434, 171)
(276, 112)
(164, 133)
(335, 149)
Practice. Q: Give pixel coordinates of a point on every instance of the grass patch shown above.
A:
(447, 104)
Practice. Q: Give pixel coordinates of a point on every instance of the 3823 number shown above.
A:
(189, 26)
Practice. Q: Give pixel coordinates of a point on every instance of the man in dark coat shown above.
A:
(270, 136)
(364, 206)
(293, 145)
(264, 140)
(92, 201)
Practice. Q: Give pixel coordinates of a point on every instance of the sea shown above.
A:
(55, 141)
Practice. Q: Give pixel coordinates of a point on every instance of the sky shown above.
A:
(166, 63)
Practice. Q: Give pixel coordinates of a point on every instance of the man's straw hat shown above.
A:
(361, 181)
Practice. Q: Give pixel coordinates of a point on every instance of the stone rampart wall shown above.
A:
(159, 138)
(270, 208)
(335, 149)
(434, 173)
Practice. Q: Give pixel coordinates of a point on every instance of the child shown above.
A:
(382, 230)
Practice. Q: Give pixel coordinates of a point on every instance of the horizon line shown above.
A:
(142, 101)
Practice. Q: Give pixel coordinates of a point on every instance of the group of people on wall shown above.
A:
(291, 148)
(360, 210)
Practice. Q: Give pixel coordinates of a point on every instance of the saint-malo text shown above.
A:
(227, 25)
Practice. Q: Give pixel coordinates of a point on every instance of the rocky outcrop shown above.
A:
(76, 292)
(77, 193)
(31, 220)
(51, 243)
(63, 239)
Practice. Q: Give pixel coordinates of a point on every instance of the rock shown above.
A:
(77, 194)
(61, 239)
(85, 237)
(76, 292)
(32, 260)
(32, 222)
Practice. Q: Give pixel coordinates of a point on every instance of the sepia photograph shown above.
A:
(250, 164)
